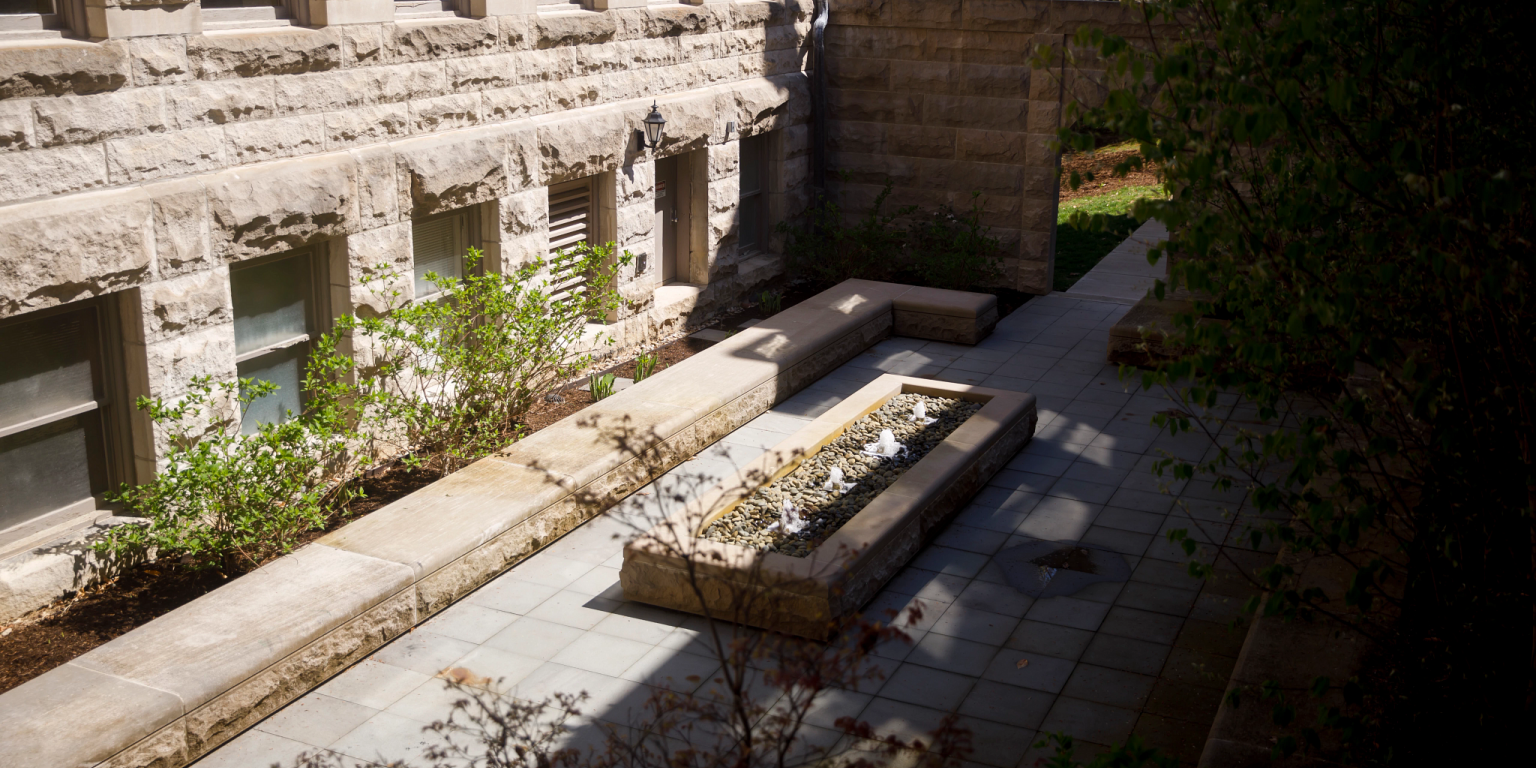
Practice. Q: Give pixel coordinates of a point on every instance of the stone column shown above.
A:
(174, 330)
(724, 199)
(1037, 257)
(141, 18)
(479, 9)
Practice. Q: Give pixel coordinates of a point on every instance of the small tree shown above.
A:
(444, 382)
(1352, 200)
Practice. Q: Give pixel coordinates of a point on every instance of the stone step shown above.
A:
(424, 9)
(8, 35)
(252, 17)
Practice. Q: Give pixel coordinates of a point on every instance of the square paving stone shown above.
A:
(468, 622)
(1069, 611)
(995, 598)
(1008, 704)
(1002, 520)
(504, 668)
(373, 683)
(511, 595)
(1142, 625)
(1151, 597)
(926, 686)
(386, 737)
(423, 652)
(928, 584)
(604, 654)
(1040, 465)
(899, 719)
(1166, 574)
(979, 540)
(550, 571)
(1042, 673)
(641, 623)
(1125, 542)
(1049, 639)
(1089, 721)
(834, 703)
(954, 562)
(951, 654)
(254, 748)
(1015, 480)
(1127, 654)
(316, 719)
(430, 702)
(574, 610)
(1131, 520)
(975, 625)
(534, 638)
(672, 670)
(601, 580)
(995, 744)
(1090, 473)
(908, 613)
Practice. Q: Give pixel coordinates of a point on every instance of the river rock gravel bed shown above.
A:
(827, 510)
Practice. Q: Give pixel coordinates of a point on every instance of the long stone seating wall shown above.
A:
(172, 690)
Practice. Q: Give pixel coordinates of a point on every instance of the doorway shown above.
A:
(674, 193)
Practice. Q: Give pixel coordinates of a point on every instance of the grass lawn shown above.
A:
(1077, 251)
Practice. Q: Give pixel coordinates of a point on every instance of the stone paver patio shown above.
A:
(1150, 656)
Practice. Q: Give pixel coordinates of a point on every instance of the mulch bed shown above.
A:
(1101, 164)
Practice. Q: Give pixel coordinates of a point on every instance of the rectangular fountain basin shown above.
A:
(673, 567)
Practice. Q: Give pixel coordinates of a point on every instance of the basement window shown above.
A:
(439, 245)
(754, 200)
(277, 311)
(54, 415)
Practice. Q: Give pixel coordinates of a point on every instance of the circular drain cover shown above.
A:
(1055, 568)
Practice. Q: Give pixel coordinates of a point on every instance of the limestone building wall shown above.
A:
(137, 171)
(938, 96)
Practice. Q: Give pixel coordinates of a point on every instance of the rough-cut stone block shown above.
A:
(366, 125)
(163, 155)
(264, 140)
(577, 147)
(200, 103)
(442, 173)
(16, 126)
(671, 567)
(157, 60)
(88, 119)
(378, 193)
(285, 51)
(171, 364)
(62, 67)
(48, 172)
(563, 30)
(41, 720)
(441, 39)
(58, 251)
(182, 305)
(283, 205)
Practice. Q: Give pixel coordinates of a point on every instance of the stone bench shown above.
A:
(181, 685)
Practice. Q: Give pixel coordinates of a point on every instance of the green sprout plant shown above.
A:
(602, 386)
(645, 366)
(772, 302)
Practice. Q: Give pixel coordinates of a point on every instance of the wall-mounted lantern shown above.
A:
(654, 123)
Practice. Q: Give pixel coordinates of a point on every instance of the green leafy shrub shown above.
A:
(943, 248)
(954, 250)
(229, 501)
(602, 386)
(1353, 198)
(446, 381)
(827, 250)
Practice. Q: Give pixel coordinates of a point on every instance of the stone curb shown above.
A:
(178, 687)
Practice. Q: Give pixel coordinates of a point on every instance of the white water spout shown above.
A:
(835, 482)
(790, 520)
(886, 446)
(920, 414)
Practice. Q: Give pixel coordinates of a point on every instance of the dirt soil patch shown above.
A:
(1102, 164)
(1070, 558)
